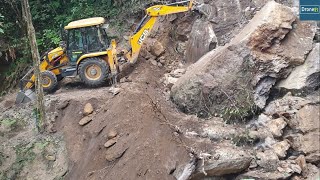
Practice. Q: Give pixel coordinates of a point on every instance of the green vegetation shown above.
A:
(25, 154)
(243, 139)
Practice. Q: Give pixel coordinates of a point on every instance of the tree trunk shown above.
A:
(40, 109)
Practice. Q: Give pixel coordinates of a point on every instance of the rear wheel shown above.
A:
(94, 72)
(49, 81)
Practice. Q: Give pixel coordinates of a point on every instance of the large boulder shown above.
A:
(235, 80)
(305, 77)
(229, 161)
(202, 39)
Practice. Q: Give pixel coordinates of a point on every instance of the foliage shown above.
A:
(1, 24)
(24, 155)
(243, 139)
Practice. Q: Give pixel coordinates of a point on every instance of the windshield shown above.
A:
(97, 39)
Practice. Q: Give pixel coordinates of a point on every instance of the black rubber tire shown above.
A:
(104, 72)
(59, 77)
(53, 78)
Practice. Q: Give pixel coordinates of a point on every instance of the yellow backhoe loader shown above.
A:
(89, 53)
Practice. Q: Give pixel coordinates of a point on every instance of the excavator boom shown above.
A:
(146, 24)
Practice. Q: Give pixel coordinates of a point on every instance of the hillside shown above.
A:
(230, 91)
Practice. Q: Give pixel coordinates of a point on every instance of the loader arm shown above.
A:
(146, 24)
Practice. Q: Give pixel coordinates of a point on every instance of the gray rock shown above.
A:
(268, 160)
(177, 73)
(275, 126)
(202, 40)
(114, 90)
(308, 118)
(112, 134)
(288, 104)
(306, 76)
(308, 143)
(156, 48)
(262, 175)
(153, 62)
(311, 172)
(85, 120)
(217, 130)
(230, 161)
(229, 76)
(110, 143)
(289, 166)
(181, 47)
(281, 148)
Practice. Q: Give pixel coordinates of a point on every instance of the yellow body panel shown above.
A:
(110, 55)
(96, 54)
(85, 23)
(45, 66)
(136, 40)
(153, 12)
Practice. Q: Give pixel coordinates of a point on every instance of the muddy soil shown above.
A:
(148, 145)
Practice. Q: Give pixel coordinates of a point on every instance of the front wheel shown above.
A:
(93, 72)
(49, 81)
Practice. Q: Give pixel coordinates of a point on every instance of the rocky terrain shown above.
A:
(228, 93)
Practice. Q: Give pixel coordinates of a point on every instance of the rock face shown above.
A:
(230, 161)
(305, 77)
(241, 74)
(202, 40)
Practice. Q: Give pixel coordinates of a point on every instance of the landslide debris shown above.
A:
(235, 80)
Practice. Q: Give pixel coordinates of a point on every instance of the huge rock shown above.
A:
(305, 77)
(241, 74)
(202, 40)
(230, 161)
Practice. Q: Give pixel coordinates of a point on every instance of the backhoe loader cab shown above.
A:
(86, 36)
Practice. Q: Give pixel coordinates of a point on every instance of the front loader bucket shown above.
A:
(24, 97)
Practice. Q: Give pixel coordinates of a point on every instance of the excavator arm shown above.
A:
(146, 24)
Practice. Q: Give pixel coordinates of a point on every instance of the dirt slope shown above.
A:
(139, 113)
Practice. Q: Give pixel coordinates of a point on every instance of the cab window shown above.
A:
(75, 40)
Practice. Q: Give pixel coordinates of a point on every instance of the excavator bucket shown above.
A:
(25, 96)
